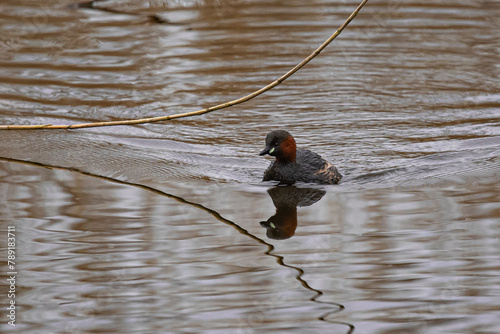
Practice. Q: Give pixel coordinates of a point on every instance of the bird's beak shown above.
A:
(265, 151)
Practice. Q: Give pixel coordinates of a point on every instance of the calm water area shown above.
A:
(167, 227)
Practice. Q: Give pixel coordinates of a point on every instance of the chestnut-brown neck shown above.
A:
(288, 149)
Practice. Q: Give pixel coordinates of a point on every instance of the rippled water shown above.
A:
(166, 227)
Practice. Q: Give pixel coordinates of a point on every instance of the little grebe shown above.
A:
(296, 165)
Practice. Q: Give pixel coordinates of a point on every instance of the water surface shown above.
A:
(164, 228)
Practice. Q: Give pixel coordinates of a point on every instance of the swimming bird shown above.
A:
(296, 165)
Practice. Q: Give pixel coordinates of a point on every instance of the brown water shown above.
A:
(160, 228)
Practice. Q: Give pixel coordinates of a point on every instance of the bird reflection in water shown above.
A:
(283, 223)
